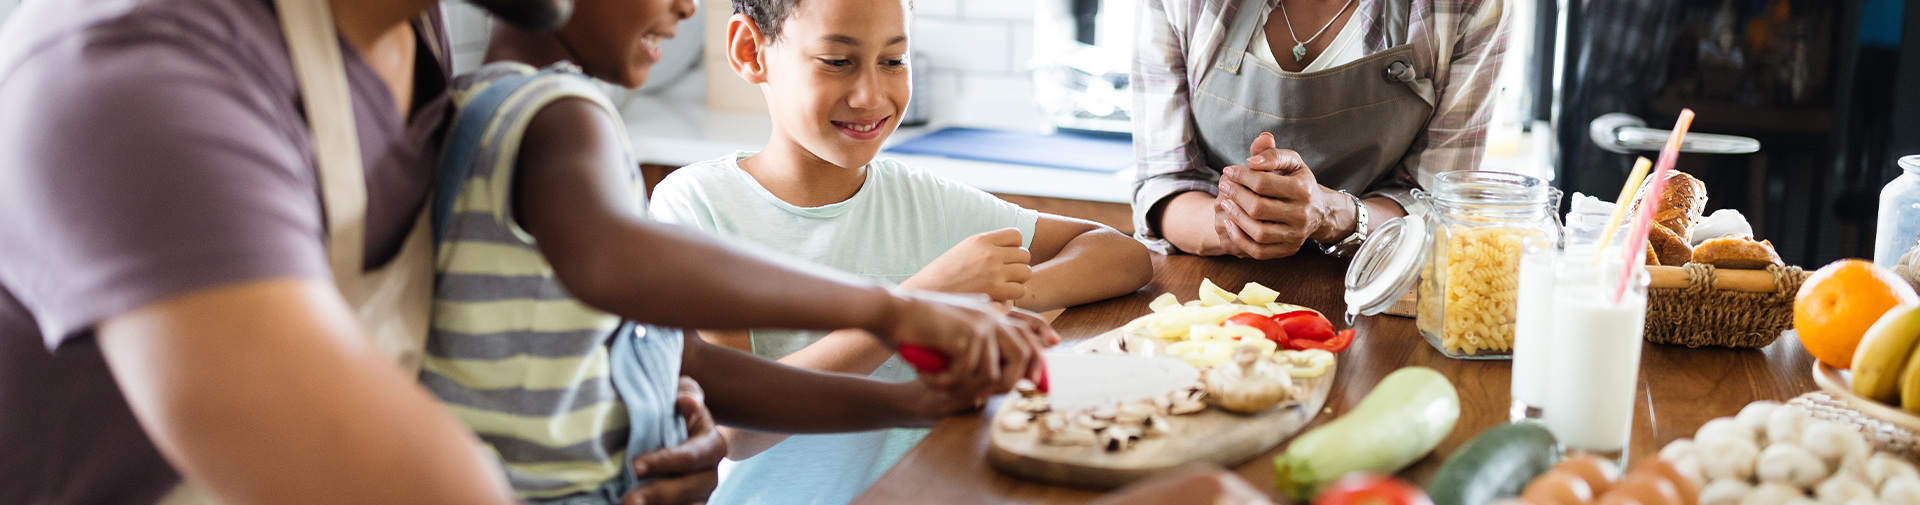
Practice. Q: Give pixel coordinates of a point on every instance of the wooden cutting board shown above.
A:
(1210, 436)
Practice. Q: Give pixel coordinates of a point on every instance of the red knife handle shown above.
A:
(928, 360)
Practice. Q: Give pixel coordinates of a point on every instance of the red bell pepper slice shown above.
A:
(1307, 326)
(1268, 328)
(1340, 341)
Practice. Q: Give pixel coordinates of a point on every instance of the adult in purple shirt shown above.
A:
(166, 306)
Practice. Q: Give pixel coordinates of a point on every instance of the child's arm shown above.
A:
(843, 351)
(1077, 261)
(990, 263)
(747, 392)
(573, 192)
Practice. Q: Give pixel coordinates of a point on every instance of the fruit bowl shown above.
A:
(1839, 384)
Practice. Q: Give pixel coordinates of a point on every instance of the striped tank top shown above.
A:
(511, 353)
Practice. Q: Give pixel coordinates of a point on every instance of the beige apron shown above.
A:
(1351, 123)
(392, 302)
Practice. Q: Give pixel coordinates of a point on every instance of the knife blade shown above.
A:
(1074, 380)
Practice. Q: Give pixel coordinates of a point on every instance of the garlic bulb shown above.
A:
(1249, 384)
(1842, 489)
(1883, 467)
(1772, 493)
(1784, 424)
(1832, 441)
(1790, 464)
(1755, 415)
(1900, 490)
(1728, 459)
(1725, 492)
(1677, 450)
(1725, 427)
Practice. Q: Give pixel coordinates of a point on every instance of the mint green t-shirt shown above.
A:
(899, 221)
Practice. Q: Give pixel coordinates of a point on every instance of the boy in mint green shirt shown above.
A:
(835, 77)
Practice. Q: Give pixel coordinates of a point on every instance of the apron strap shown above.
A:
(321, 72)
(1233, 49)
(470, 125)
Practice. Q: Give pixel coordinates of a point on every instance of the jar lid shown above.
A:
(1386, 266)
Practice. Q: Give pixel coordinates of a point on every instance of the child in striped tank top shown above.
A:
(556, 296)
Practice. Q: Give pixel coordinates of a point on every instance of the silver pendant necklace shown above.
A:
(1300, 46)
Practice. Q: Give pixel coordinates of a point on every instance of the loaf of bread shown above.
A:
(1680, 203)
(1736, 252)
(1669, 246)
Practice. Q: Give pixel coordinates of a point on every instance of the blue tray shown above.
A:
(1059, 150)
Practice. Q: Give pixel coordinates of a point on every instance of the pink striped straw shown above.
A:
(1643, 219)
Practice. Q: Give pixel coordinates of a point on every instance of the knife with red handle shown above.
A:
(928, 360)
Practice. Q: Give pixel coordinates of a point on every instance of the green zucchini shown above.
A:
(1495, 465)
(1402, 419)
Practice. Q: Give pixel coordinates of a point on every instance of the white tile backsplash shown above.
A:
(1022, 45)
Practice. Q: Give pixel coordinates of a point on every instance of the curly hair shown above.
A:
(768, 15)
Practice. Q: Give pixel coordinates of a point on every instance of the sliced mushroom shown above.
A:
(1120, 438)
(1105, 412)
(1135, 412)
(1156, 426)
(1035, 405)
(1086, 420)
(1015, 420)
(1056, 430)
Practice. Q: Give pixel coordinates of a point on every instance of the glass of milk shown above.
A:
(1594, 362)
(1533, 333)
(1533, 328)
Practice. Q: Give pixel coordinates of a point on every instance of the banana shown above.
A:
(1910, 386)
(1880, 362)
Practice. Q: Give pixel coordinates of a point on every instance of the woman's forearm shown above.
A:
(1093, 266)
(1186, 220)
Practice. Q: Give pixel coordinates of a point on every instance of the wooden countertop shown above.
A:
(1680, 388)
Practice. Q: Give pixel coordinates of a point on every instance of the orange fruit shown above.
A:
(1839, 302)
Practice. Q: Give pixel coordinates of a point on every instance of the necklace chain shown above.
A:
(1300, 46)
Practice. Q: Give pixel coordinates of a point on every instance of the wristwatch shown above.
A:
(1346, 247)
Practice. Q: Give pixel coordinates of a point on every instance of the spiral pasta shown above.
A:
(1482, 277)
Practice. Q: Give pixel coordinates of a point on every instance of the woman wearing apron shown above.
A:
(1265, 126)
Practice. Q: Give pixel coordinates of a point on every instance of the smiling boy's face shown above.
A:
(618, 41)
(837, 79)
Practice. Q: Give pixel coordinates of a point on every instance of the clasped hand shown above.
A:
(1272, 205)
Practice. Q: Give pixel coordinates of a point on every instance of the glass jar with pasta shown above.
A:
(1477, 225)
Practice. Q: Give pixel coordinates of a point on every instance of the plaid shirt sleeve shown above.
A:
(1471, 37)
(1168, 157)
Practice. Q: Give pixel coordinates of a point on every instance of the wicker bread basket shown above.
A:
(1700, 313)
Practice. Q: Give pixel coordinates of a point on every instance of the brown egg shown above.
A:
(1558, 487)
(1643, 488)
(1599, 473)
(1688, 489)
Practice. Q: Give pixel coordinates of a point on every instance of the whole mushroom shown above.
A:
(1249, 384)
